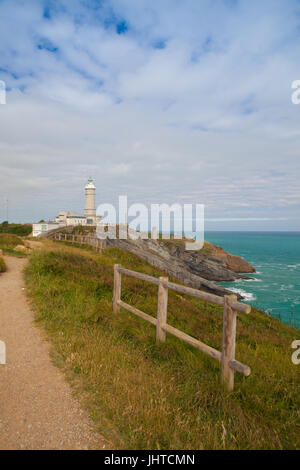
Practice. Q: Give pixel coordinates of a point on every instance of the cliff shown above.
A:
(212, 262)
(194, 268)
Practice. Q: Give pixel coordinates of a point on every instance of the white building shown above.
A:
(90, 204)
(39, 229)
(69, 218)
(89, 218)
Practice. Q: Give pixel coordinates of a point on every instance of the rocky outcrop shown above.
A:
(191, 268)
(237, 264)
(22, 249)
(213, 263)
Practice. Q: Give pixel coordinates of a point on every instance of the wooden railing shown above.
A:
(229, 365)
(93, 241)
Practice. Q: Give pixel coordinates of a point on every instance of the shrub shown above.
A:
(17, 229)
(8, 241)
(2, 265)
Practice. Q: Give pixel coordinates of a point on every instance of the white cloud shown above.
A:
(192, 103)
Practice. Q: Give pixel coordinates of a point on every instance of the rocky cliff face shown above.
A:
(195, 269)
(213, 263)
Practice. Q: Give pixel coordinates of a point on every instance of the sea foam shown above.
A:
(247, 296)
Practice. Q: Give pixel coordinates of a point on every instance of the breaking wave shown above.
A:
(248, 296)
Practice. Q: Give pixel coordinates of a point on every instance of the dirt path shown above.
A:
(37, 410)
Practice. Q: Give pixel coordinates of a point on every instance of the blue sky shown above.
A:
(164, 100)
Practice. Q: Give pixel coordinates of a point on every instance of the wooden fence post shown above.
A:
(117, 288)
(162, 309)
(228, 345)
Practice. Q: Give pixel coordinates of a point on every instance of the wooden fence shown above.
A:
(93, 241)
(229, 365)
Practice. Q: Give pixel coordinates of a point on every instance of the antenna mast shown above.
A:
(6, 201)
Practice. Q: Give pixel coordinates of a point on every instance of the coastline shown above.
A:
(275, 287)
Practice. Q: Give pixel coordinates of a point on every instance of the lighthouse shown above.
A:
(90, 205)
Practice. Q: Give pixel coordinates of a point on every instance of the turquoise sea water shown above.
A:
(275, 287)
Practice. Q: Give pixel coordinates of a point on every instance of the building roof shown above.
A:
(49, 222)
(74, 214)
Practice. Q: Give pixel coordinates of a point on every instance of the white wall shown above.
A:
(38, 229)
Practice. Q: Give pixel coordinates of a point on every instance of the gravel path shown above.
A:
(37, 410)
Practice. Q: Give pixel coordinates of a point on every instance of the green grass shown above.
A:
(9, 241)
(2, 265)
(16, 254)
(17, 229)
(144, 396)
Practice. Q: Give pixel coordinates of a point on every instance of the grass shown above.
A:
(8, 242)
(208, 249)
(16, 254)
(17, 229)
(2, 265)
(144, 396)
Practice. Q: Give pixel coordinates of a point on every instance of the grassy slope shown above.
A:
(167, 397)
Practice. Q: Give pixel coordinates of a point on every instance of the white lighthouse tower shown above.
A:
(90, 205)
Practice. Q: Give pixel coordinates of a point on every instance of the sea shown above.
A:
(275, 287)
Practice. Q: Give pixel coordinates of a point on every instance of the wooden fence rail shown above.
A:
(99, 245)
(229, 365)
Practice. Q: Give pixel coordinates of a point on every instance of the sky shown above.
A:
(165, 101)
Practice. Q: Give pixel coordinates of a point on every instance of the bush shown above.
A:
(8, 241)
(17, 229)
(2, 265)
